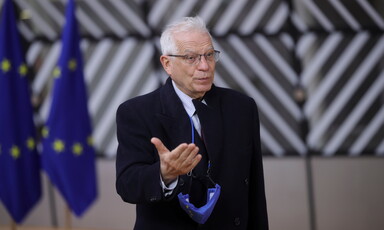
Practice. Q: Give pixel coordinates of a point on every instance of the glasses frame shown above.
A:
(216, 57)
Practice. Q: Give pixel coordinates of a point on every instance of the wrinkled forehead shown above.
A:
(193, 41)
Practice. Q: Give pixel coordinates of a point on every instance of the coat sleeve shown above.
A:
(258, 207)
(137, 164)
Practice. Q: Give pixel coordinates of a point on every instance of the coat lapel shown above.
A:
(173, 117)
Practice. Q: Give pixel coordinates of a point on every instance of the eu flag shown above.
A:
(20, 186)
(68, 156)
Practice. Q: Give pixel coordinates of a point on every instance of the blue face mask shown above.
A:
(200, 215)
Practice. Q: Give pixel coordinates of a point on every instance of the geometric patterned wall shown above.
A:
(315, 68)
(341, 53)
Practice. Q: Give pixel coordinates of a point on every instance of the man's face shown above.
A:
(192, 79)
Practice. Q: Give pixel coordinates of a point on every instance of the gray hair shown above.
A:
(167, 42)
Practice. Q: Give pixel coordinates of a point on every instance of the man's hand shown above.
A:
(177, 162)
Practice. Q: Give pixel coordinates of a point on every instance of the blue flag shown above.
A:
(68, 156)
(20, 186)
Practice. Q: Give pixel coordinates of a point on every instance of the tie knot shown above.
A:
(196, 101)
(198, 104)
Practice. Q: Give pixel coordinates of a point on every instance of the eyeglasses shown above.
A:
(194, 59)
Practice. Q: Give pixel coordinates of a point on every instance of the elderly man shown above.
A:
(189, 153)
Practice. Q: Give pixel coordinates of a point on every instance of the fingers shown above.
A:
(182, 151)
(192, 159)
(185, 158)
(185, 152)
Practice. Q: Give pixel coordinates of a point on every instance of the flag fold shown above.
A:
(68, 156)
(20, 185)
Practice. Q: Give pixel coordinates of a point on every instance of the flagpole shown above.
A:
(13, 225)
(68, 218)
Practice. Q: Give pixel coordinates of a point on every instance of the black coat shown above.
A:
(233, 145)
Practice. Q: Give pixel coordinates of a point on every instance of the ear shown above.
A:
(166, 64)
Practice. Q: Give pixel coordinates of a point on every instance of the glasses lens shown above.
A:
(209, 56)
(191, 59)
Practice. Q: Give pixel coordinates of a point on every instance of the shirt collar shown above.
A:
(185, 99)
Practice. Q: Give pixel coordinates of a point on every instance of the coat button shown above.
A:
(181, 182)
(246, 181)
(236, 221)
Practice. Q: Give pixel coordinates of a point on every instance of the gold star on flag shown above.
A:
(45, 131)
(15, 152)
(5, 65)
(58, 146)
(30, 143)
(72, 64)
(56, 72)
(77, 149)
(90, 141)
(23, 70)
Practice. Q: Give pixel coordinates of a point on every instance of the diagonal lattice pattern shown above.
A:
(314, 68)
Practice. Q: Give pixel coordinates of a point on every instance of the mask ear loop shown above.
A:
(192, 129)
(193, 139)
(209, 174)
(190, 173)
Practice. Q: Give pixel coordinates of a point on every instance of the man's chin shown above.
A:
(203, 90)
